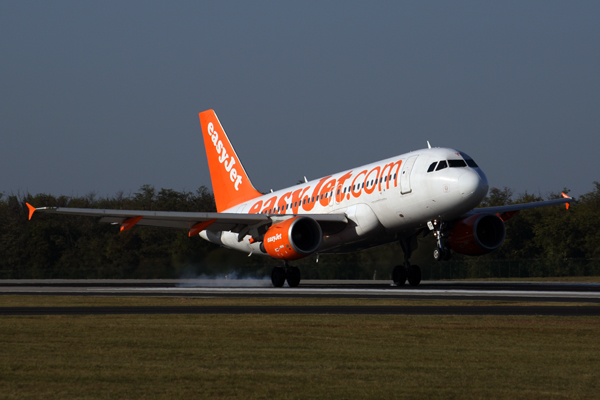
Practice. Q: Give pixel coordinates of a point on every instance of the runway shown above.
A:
(428, 290)
(506, 292)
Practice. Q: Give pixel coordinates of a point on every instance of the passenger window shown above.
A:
(432, 167)
(457, 163)
(442, 165)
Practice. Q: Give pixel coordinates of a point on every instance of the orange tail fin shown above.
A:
(231, 185)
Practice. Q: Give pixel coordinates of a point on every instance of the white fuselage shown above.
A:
(383, 201)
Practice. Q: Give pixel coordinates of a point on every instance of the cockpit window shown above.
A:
(442, 165)
(457, 163)
(452, 164)
(469, 160)
(471, 163)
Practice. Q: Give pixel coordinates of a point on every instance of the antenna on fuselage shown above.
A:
(305, 180)
(428, 145)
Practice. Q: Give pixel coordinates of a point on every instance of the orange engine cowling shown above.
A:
(478, 234)
(293, 238)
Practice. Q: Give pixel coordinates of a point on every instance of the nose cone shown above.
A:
(473, 185)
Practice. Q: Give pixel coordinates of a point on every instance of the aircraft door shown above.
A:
(405, 187)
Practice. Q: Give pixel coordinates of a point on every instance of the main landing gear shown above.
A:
(412, 273)
(286, 273)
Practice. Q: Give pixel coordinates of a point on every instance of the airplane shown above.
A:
(396, 199)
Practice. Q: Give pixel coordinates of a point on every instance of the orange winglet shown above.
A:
(566, 197)
(31, 210)
(130, 223)
(200, 226)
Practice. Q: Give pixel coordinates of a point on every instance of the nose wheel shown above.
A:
(440, 254)
(442, 251)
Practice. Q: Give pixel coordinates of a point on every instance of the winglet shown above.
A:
(130, 223)
(31, 210)
(566, 197)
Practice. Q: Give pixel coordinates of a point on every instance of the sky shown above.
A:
(104, 96)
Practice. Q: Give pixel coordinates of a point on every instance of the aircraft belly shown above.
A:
(402, 212)
(363, 223)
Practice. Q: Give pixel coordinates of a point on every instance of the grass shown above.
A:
(293, 356)
(116, 301)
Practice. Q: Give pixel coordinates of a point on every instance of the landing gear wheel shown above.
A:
(292, 274)
(278, 276)
(399, 275)
(441, 254)
(414, 275)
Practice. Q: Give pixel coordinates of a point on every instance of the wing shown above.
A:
(195, 222)
(507, 212)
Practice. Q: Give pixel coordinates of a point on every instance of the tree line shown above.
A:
(543, 241)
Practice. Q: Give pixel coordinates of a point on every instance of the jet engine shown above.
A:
(293, 238)
(478, 234)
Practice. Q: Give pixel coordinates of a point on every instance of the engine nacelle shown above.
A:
(293, 238)
(478, 234)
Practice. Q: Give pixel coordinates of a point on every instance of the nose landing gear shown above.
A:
(442, 251)
(440, 254)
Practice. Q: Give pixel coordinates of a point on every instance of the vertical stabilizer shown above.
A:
(231, 185)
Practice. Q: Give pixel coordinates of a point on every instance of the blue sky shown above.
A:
(104, 96)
